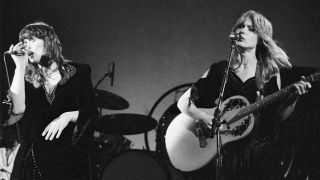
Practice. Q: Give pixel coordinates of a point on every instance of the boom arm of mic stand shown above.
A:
(100, 80)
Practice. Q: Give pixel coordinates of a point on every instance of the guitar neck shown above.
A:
(264, 102)
(269, 100)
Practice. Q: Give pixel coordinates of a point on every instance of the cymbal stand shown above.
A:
(216, 122)
(107, 74)
(96, 86)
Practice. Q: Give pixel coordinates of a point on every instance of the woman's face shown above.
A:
(248, 36)
(35, 48)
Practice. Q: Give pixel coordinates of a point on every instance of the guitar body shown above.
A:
(182, 141)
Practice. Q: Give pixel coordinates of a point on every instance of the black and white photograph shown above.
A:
(159, 89)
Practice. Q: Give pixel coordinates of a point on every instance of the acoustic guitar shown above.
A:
(188, 151)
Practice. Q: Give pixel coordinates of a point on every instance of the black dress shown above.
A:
(252, 157)
(65, 157)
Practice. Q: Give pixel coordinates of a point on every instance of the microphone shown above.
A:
(235, 37)
(15, 52)
(112, 73)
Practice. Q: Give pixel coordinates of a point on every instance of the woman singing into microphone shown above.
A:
(255, 70)
(54, 101)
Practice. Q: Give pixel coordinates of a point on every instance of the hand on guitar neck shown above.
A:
(297, 89)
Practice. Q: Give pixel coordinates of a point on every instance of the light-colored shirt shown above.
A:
(6, 164)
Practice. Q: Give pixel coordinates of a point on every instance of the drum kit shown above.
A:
(120, 124)
(112, 157)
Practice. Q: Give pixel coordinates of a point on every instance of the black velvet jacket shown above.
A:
(65, 157)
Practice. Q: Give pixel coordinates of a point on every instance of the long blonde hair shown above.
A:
(270, 56)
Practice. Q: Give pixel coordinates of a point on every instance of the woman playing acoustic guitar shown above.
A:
(255, 72)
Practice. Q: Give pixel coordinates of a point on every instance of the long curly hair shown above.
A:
(270, 56)
(52, 45)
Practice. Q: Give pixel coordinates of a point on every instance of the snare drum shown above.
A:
(139, 165)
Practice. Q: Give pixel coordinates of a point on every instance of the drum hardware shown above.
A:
(107, 99)
(112, 160)
(176, 90)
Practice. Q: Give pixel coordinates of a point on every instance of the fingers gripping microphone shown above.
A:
(17, 53)
(112, 73)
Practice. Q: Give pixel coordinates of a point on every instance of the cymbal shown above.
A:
(125, 124)
(110, 101)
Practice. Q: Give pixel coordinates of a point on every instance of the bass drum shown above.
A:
(106, 147)
(163, 125)
(139, 165)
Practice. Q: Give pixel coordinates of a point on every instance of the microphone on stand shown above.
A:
(113, 64)
(235, 37)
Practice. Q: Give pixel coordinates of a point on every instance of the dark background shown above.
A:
(160, 44)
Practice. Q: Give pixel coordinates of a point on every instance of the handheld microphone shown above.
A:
(15, 52)
(235, 37)
(112, 73)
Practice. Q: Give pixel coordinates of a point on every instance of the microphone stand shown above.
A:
(108, 74)
(100, 80)
(216, 123)
(8, 101)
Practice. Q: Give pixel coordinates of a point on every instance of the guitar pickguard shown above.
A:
(237, 128)
(235, 104)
